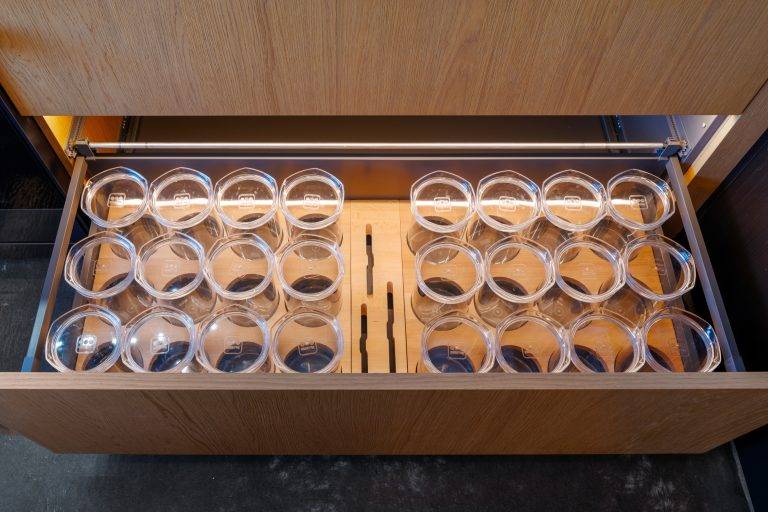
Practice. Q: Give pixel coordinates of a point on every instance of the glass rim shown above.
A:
(64, 321)
(77, 252)
(541, 253)
(239, 239)
(610, 254)
(98, 181)
(638, 359)
(583, 180)
(305, 240)
(651, 181)
(168, 239)
(238, 176)
(235, 309)
(486, 334)
(698, 324)
(549, 323)
(302, 313)
(151, 313)
(175, 175)
(515, 178)
(455, 181)
(682, 255)
(311, 174)
(450, 243)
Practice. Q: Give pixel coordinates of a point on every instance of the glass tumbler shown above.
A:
(310, 270)
(529, 342)
(594, 264)
(639, 200)
(442, 204)
(86, 339)
(240, 268)
(170, 268)
(233, 340)
(307, 341)
(181, 198)
(603, 342)
(507, 202)
(115, 198)
(456, 344)
(659, 268)
(448, 274)
(560, 306)
(573, 201)
(312, 201)
(160, 339)
(679, 341)
(247, 200)
(100, 265)
(518, 272)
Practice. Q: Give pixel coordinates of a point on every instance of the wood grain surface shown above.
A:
(383, 413)
(337, 57)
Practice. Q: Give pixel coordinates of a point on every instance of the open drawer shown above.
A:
(378, 404)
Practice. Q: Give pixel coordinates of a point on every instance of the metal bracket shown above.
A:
(671, 148)
(82, 147)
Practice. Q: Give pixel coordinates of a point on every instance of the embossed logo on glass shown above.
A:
(311, 202)
(308, 348)
(85, 344)
(234, 347)
(116, 200)
(159, 344)
(456, 353)
(181, 200)
(572, 203)
(246, 200)
(169, 268)
(638, 202)
(442, 204)
(507, 204)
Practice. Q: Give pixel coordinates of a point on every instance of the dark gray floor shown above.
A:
(32, 478)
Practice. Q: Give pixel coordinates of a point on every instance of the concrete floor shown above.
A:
(32, 478)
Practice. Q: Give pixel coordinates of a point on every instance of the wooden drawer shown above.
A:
(389, 409)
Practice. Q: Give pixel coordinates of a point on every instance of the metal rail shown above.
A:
(88, 148)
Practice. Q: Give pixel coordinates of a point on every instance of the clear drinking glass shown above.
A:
(442, 204)
(161, 339)
(628, 304)
(679, 341)
(639, 200)
(115, 198)
(659, 268)
(612, 233)
(507, 202)
(247, 202)
(603, 342)
(529, 342)
(206, 232)
(100, 265)
(560, 306)
(547, 234)
(518, 272)
(592, 263)
(310, 270)
(240, 268)
(181, 198)
(573, 201)
(233, 340)
(312, 201)
(456, 344)
(307, 341)
(86, 339)
(170, 268)
(142, 231)
(448, 274)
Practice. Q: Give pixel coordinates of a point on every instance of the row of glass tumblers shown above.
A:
(184, 273)
(561, 272)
